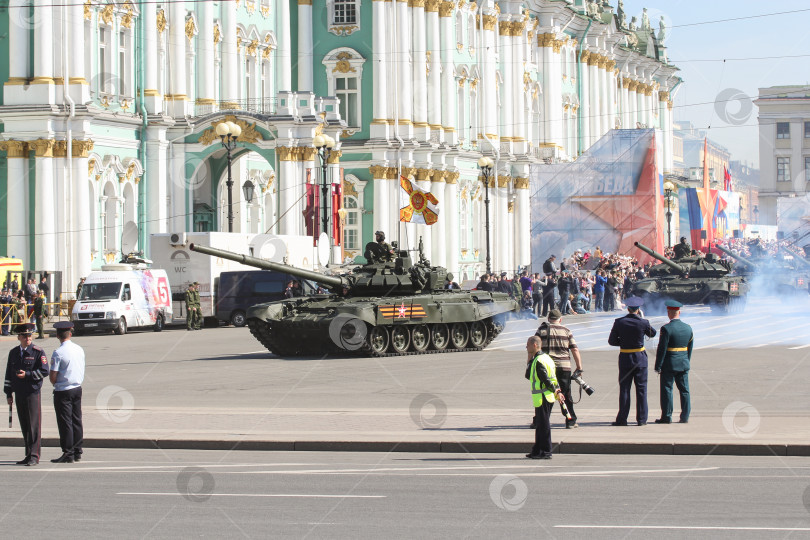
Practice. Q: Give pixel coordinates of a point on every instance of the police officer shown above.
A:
(628, 334)
(544, 391)
(197, 307)
(67, 375)
(39, 313)
(26, 368)
(672, 362)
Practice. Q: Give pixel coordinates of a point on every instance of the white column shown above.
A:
(305, 46)
(17, 200)
(603, 98)
(438, 253)
(283, 33)
(451, 225)
(287, 191)
(205, 56)
(177, 68)
(404, 70)
(79, 87)
(632, 105)
(45, 218)
(593, 78)
(380, 209)
(230, 58)
(522, 222)
(510, 74)
(585, 104)
(18, 38)
(611, 97)
(82, 228)
(448, 91)
(501, 230)
(155, 173)
(552, 94)
(520, 113)
(312, 163)
(420, 90)
(624, 104)
(43, 44)
(434, 93)
(379, 128)
(490, 116)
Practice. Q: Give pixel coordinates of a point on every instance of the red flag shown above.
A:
(337, 204)
(726, 179)
(312, 210)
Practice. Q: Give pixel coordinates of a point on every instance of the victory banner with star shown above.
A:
(417, 206)
(611, 197)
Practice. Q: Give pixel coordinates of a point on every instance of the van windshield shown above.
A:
(100, 291)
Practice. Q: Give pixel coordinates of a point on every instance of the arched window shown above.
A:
(462, 117)
(344, 73)
(352, 225)
(459, 28)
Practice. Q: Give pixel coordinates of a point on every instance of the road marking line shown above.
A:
(799, 347)
(682, 527)
(291, 495)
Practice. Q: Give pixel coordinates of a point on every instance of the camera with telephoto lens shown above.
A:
(576, 376)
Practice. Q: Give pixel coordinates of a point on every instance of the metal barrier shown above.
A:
(53, 315)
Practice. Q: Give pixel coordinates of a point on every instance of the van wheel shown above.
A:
(158, 324)
(238, 319)
(121, 329)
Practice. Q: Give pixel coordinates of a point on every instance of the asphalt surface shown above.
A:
(152, 493)
(217, 388)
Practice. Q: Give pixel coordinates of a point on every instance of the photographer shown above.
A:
(559, 344)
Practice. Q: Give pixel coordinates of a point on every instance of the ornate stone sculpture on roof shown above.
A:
(662, 30)
(633, 24)
(645, 21)
(621, 16)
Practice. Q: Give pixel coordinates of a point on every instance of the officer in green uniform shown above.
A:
(190, 307)
(19, 309)
(545, 390)
(197, 307)
(39, 313)
(672, 362)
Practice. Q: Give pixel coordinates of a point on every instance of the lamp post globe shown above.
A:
(223, 129)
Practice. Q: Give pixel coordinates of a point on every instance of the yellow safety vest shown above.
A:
(539, 390)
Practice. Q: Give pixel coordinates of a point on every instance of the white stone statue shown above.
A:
(632, 27)
(645, 20)
(662, 30)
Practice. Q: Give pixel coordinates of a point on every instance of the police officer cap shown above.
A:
(634, 302)
(673, 304)
(27, 328)
(63, 325)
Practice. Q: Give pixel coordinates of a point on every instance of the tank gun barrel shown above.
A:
(653, 253)
(743, 260)
(804, 262)
(331, 282)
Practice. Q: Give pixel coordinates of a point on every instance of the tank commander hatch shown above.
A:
(379, 251)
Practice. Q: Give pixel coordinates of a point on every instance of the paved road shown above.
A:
(132, 494)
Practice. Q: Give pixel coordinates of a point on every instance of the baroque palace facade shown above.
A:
(109, 110)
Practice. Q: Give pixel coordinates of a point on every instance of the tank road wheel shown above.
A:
(376, 340)
(459, 335)
(420, 337)
(400, 339)
(478, 334)
(439, 336)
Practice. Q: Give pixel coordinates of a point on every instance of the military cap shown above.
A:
(673, 304)
(634, 302)
(63, 325)
(26, 328)
(195, 283)
(554, 315)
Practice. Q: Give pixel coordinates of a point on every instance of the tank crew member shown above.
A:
(39, 313)
(26, 368)
(67, 375)
(628, 334)
(190, 307)
(544, 392)
(379, 251)
(682, 249)
(672, 362)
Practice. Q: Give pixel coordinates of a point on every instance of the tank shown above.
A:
(386, 308)
(692, 281)
(779, 276)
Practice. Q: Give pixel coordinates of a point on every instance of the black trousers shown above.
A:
(542, 430)
(68, 407)
(548, 301)
(29, 413)
(537, 302)
(564, 380)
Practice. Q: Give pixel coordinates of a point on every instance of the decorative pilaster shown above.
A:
(434, 67)
(507, 118)
(284, 53)
(177, 95)
(379, 124)
(596, 111)
(305, 66)
(404, 71)
(522, 219)
(448, 47)
(489, 116)
(451, 207)
(45, 202)
(420, 72)
(205, 48)
(19, 43)
(16, 199)
(287, 189)
(229, 54)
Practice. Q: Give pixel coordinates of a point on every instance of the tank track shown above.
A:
(264, 333)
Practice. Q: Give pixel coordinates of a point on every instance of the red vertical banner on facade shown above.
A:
(311, 210)
(337, 204)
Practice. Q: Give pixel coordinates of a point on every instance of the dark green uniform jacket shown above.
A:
(677, 335)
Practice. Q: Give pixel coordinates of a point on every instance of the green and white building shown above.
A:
(109, 111)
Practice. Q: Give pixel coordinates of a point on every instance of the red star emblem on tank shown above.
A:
(402, 311)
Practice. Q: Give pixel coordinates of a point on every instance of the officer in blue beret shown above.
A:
(628, 334)
(672, 362)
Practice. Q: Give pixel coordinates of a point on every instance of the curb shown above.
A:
(670, 449)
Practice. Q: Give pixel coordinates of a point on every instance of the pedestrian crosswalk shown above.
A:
(766, 321)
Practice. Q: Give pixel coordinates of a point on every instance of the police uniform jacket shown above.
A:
(35, 364)
(674, 347)
(628, 332)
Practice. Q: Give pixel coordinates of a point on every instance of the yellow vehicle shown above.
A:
(11, 268)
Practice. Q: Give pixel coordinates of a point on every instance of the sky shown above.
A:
(718, 95)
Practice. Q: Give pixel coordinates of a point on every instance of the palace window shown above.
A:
(344, 73)
(807, 168)
(783, 169)
(345, 12)
(459, 28)
(105, 80)
(351, 227)
(783, 130)
(807, 130)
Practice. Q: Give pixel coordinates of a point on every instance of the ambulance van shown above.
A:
(122, 296)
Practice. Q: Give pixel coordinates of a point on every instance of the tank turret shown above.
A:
(390, 307)
(750, 265)
(674, 266)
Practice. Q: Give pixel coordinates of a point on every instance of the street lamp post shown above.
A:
(324, 145)
(668, 188)
(229, 132)
(486, 165)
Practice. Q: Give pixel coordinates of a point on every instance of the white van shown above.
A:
(123, 296)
